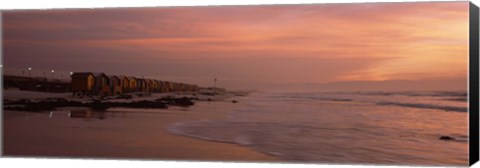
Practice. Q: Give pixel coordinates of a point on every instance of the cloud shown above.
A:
(390, 38)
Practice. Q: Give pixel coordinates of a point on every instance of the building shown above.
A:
(100, 84)
(132, 84)
(141, 85)
(158, 85)
(83, 83)
(102, 87)
(115, 84)
(124, 82)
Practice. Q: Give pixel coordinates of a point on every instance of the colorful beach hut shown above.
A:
(82, 83)
(115, 84)
(101, 84)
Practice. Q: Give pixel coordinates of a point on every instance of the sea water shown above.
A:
(346, 127)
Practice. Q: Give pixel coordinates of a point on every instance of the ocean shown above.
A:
(346, 127)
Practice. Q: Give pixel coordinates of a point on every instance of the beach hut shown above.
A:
(150, 85)
(141, 85)
(132, 84)
(154, 85)
(166, 86)
(194, 88)
(173, 86)
(101, 84)
(181, 87)
(124, 82)
(115, 84)
(158, 87)
(82, 83)
(161, 86)
(147, 85)
(186, 87)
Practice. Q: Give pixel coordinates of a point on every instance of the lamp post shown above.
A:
(53, 72)
(214, 83)
(30, 72)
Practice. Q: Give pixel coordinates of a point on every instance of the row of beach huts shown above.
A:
(101, 84)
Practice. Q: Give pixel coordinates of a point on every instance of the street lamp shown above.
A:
(30, 72)
(53, 72)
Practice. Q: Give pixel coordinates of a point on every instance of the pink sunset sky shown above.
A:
(250, 47)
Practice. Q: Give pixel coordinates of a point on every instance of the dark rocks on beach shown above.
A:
(234, 101)
(207, 93)
(184, 101)
(31, 107)
(98, 105)
(137, 104)
(446, 138)
(50, 104)
(43, 105)
(127, 97)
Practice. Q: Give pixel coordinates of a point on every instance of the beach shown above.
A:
(120, 133)
(391, 128)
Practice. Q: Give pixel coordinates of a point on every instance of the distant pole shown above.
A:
(30, 72)
(143, 86)
(23, 73)
(214, 83)
(215, 86)
(53, 73)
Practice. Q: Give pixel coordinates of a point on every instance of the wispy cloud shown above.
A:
(396, 40)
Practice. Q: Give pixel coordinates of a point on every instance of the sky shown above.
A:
(422, 45)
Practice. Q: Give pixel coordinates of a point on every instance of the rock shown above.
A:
(98, 105)
(234, 101)
(127, 97)
(184, 101)
(446, 138)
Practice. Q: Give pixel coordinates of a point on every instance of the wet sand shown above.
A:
(120, 133)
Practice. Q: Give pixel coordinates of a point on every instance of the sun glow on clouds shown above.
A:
(412, 41)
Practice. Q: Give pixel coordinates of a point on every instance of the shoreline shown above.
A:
(17, 100)
(158, 143)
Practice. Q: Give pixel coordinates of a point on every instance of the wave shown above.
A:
(425, 106)
(461, 99)
(416, 94)
(323, 98)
